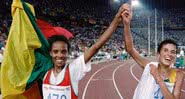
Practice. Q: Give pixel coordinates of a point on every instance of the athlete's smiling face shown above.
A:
(59, 53)
(167, 55)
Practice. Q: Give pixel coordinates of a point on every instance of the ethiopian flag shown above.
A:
(26, 58)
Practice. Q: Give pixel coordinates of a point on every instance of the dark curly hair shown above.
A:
(56, 38)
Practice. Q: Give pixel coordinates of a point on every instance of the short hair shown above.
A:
(56, 38)
(167, 41)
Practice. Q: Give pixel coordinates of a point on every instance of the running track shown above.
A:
(112, 80)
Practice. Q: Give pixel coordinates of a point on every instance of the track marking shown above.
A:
(138, 79)
(115, 82)
(133, 73)
(100, 79)
(85, 89)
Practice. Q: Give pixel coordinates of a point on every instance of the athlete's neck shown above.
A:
(163, 69)
(57, 70)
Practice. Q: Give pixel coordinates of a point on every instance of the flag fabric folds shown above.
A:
(26, 58)
(48, 30)
(63, 31)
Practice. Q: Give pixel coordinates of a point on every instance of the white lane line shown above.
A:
(113, 77)
(85, 89)
(133, 73)
(100, 79)
(138, 79)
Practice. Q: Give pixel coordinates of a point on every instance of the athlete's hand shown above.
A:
(126, 14)
(120, 11)
(155, 73)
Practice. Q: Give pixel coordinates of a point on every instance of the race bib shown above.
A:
(158, 94)
(56, 92)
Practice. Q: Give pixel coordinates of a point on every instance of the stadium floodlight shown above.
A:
(135, 3)
(116, 1)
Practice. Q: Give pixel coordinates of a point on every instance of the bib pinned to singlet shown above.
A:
(56, 92)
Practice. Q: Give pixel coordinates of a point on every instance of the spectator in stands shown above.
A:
(62, 80)
(182, 58)
(158, 80)
(181, 52)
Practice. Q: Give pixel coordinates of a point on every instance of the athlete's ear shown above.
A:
(50, 53)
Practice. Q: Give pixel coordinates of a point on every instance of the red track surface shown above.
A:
(112, 80)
